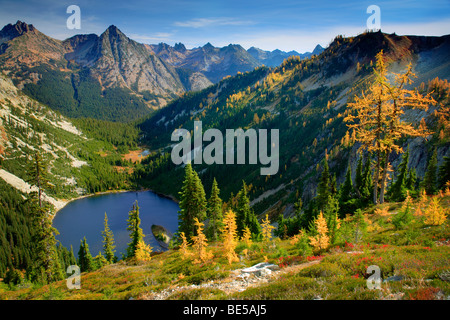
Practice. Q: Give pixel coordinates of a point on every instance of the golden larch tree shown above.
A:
(247, 236)
(321, 240)
(143, 252)
(266, 229)
(229, 233)
(200, 243)
(435, 214)
(375, 118)
(184, 246)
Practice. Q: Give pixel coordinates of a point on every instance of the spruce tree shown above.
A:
(46, 263)
(429, 182)
(359, 176)
(444, 173)
(84, 257)
(245, 217)
(136, 233)
(324, 187)
(214, 213)
(411, 181)
(242, 209)
(108, 242)
(192, 203)
(346, 191)
(398, 189)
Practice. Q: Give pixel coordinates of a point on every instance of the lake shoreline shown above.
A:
(66, 202)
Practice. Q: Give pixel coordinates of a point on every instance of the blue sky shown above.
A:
(283, 24)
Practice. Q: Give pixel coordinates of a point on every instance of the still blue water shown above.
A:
(85, 218)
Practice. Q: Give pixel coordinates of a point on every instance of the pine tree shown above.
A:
(429, 182)
(229, 236)
(136, 233)
(214, 213)
(108, 242)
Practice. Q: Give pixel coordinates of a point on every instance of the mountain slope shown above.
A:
(306, 100)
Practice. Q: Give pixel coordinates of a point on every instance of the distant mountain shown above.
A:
(113, 77)
(276, 57)
(214, 63)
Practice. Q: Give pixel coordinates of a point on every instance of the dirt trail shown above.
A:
(235, 282)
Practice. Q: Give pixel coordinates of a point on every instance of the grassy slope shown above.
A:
(419, 253)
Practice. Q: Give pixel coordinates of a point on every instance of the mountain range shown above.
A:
(151, 75)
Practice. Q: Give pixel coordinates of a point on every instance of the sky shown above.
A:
(269, 25)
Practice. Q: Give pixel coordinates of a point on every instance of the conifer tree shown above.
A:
(136, 233)
(192, 202)
(46, 264)
(404, 216)
(411, 180)
(331, 215)
(184, 246)
(143, 252)
(247, 237)
(399, 188)
(99, 261)
(444, 173)
(214, 212)
(346, 191)
(245, 217)
(429, 182)
(200, 243)
(229, 236)
(359, 176)
(323, 188)
(321, 240)
(377, 119)
(108, 242)
(266, 229)
(84, 257)
(434, 213)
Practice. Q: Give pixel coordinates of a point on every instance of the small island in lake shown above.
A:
(162, 235)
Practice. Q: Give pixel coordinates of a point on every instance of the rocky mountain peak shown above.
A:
(12, 31)
(180, 47)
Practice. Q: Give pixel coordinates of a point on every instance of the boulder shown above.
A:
(261, 269)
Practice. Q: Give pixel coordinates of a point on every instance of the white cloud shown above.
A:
(208, 22)
(158, 37)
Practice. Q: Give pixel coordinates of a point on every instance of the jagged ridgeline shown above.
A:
(307, 101)
(112, 77)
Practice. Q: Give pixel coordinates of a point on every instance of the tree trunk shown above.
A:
(383, 179)
(376, 178)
